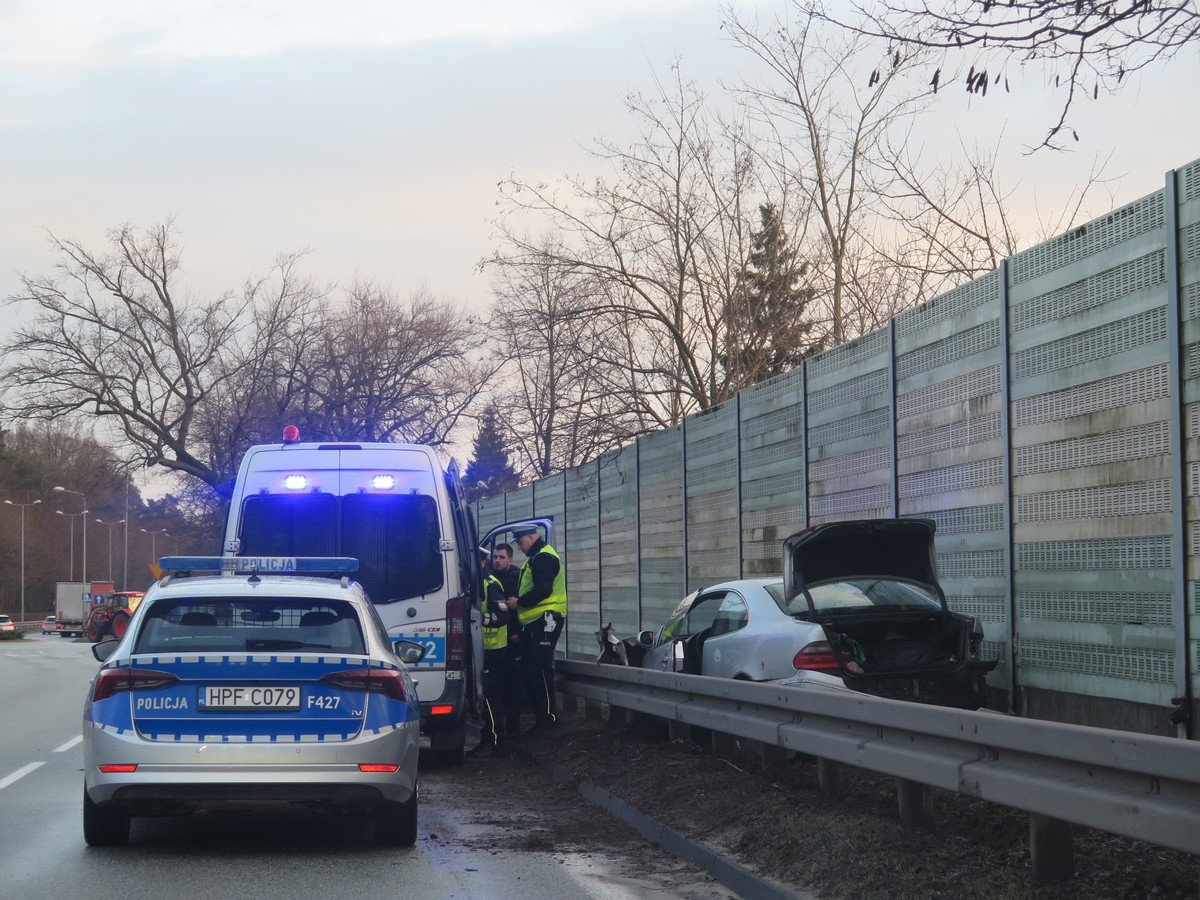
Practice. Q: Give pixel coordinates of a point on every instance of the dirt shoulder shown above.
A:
(777, 823)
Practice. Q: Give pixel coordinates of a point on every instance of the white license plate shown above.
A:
(245, 697)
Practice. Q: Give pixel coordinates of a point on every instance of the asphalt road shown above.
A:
(459, 853)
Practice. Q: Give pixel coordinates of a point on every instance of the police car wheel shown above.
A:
(396, 824)
(104, 826)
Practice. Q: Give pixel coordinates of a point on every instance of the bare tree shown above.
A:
(187, 384)
(662, 240)
(828, 133)
(1086, 45)
(555, 403)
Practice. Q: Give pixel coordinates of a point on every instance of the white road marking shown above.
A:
(19, 774)
(78, 739)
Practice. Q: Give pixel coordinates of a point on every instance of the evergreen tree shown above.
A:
(489, 473)
(773, 331)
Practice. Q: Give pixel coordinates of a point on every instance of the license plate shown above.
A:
(247, 697)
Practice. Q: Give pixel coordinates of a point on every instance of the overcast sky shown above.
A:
(374, 132)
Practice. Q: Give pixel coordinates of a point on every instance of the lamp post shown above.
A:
(87, 587)
(110, 528)
(22, 507)
(71, 517)
(153, 535)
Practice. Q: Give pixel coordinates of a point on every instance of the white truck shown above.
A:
(73, 604)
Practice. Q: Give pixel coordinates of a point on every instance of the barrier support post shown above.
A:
(1051, 854)
(829, 778)
(916, 808)
(593, 711)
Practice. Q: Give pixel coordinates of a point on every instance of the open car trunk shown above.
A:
(927, 658)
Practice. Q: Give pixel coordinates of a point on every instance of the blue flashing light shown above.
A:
(288, 565)
(295, 482)
(383, 482)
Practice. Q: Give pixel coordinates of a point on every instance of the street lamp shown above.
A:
(153, 535)
(110, 528)
(62, 490)
(22, 507)
(71, 517)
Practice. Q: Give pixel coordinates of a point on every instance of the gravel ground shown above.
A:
(776, 823)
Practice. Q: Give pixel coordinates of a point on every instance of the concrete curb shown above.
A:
(729, 874)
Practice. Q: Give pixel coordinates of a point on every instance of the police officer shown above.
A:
(497, 666)
(541, 608)
(508, 666)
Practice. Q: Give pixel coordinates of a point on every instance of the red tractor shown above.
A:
(112, 615)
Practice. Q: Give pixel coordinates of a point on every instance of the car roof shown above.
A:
(297, 586)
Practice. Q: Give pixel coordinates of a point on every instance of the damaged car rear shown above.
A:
(881, 622)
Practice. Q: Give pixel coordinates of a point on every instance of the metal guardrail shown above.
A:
(1141, 786)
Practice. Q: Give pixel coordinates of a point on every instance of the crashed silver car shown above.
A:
(858, 608)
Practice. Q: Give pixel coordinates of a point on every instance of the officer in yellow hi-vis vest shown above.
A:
(541, 608)
(496, 665)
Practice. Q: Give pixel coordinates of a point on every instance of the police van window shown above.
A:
(289, 525)
(394, 537)
(222, 624)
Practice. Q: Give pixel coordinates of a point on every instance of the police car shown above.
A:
(248, 681)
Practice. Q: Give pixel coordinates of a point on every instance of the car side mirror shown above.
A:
(410, 652)
(646, 638)
(103, 650)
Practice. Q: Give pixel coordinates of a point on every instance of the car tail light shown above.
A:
(118, 768)
(377, 767)
(441, 710)
(817, 657)
(110, 681)
(383, 681)
(456, 645)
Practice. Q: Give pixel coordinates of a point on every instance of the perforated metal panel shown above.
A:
(950, 305)
(1142, 273)
(661, 505)
(1100, 234)
(520, 503)
(579, 548)
(1095, 343)
(618, 540)
(1145, 384)
(961, 389)
(958, 346)
(1138, 442)
(772, 470)
(712, 496)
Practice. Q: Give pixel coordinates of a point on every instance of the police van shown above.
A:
(404, 517)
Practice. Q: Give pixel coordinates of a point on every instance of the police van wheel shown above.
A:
(104, 826)
(396, 824)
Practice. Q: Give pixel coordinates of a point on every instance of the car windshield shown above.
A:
(865, 595)
(243, 625)
(5, 619)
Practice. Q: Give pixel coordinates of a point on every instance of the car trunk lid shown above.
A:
(900, 549)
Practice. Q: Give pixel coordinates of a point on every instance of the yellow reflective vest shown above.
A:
(556, 602)
(493, 638)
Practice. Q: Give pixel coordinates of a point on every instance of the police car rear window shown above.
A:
(250, 625)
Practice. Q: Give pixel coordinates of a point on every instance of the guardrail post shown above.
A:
(679, 731)
(915, 807)
(829, 778)
(617, 716)
(771, 756)
(568, 702)
(593, 711)
(1051, 854)
(724, 744)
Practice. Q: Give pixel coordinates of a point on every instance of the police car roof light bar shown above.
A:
(261, 565)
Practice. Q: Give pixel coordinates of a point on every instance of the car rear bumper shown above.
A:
(222, 775)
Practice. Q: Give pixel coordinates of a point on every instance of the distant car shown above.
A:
(48, 624)
(6, 623)
(288, 684)
(858, 608)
